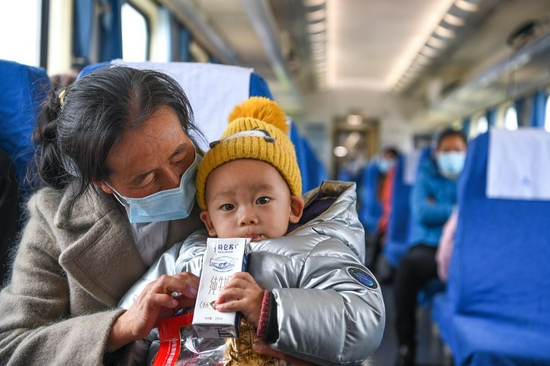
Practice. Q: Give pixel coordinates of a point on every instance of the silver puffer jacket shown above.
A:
(330, 309)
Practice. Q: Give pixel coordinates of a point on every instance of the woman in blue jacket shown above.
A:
(432, 200)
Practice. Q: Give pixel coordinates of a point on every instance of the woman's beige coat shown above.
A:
(71, 269)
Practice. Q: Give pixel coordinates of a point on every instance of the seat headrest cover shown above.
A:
(412, 160)
(213, 90)
(518, 166)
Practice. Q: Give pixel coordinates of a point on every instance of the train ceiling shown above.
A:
(452, 56)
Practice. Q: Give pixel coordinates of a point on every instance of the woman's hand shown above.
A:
(156, 302)
(264, 348)
(242, 294)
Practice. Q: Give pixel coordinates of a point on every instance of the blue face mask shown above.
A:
(384, 165)
(170, 204)
(451, 163)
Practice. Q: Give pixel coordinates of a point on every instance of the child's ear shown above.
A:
(205, 217)
(296, 208)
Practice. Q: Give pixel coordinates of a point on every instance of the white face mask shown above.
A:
(170, 204)
(451, 163)
(385, 164)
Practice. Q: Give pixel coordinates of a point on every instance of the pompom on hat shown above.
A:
(257, 130)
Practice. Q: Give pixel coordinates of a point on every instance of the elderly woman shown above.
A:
(118, 158)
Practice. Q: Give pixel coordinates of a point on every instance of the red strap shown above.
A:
(170, 339)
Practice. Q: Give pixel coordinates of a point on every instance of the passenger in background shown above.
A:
(445, 248)
(432, 201)
(386, 167)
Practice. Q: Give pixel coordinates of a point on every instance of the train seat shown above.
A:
(371, 208)
(213, 90)
(496, 309)
(399, 221)
(22, 92)
(397, 242)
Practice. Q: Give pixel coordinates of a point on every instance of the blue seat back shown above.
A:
(400, 216)
(22, 91)
(370, 209)
(400, 213)
(500, 264)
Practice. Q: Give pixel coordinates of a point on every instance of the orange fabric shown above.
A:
(385, 199)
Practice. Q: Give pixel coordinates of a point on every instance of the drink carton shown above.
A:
(222, 259)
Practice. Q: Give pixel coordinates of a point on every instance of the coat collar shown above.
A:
(101, 254)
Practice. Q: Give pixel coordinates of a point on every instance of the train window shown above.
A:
(482, 125)
(547, 115)
(135, 35)
(511, 119)
(20, 24)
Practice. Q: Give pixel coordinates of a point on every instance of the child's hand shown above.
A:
(242, 294)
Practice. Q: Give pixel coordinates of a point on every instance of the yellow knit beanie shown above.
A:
(257, 130)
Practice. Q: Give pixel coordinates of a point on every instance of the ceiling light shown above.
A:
(340, 151)
(454, 20)
(317, 27)
(317, 45)
(429, 51)
(422, 59)
(320, 63)
(401, 83)
(318, 37)
(354, 119)
(318, 55)
(444, 32)
(436, 42)
(318, 51)
(410, 75)
(316, 16)
(466, 6)
(406, 79)
(404, 84)
(310, 3)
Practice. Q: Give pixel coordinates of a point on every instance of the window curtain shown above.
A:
(184, 37)
(492, 117)
(83, 12)
(519, 105)
(110, 30)
(181, 40)
(538, 109)
(466, 125)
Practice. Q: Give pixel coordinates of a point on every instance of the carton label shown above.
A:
(222, 259)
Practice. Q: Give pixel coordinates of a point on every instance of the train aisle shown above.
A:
(430, 349)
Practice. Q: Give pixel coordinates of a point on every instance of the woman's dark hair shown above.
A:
(450, 132)
(77, 129)
(392, 150)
